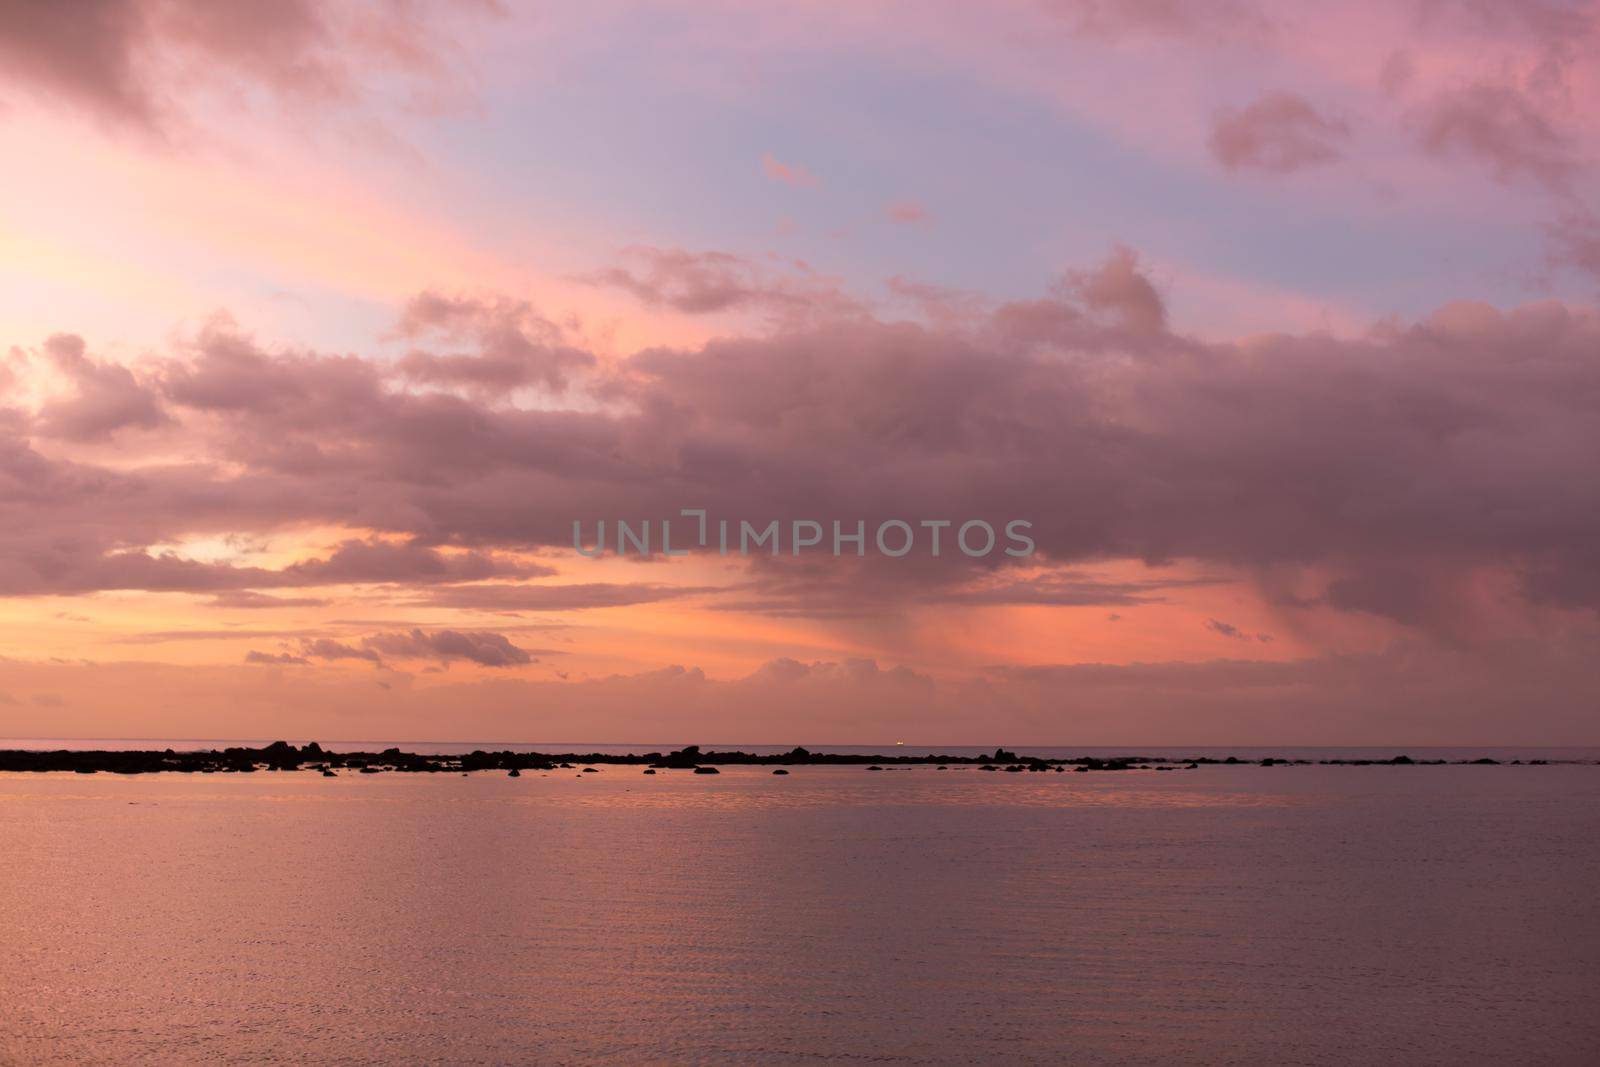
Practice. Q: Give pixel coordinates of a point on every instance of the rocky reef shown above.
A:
(282, 756)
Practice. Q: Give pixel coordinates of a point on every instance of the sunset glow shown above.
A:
(320, 329)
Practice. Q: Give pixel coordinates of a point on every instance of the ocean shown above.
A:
(1246, 915)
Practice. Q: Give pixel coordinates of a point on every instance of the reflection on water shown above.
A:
(1252, 915)
(849, 787)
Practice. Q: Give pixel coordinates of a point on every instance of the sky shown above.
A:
(322, 324)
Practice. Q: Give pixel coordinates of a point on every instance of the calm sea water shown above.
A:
(1307, 915)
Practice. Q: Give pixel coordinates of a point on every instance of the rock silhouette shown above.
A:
(283, 757)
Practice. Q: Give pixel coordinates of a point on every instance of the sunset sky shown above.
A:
(321, 324)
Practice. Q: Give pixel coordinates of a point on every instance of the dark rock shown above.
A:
(514, 773)
(874, 767)
(706, 770)
(328, 774)
(280, 755)
(649, 770)
(780, 770)
(685, 758)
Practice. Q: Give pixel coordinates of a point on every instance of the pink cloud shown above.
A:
(1119, 288)
(579, 596)
(1437, 449)
(250, 600)
(788, 173)
(106, 397)
(1576, 241)
(907, 212)
(1279, 132)
(513, 345)
(709, 282)
(130, 61)
(1503, 128)
(407, 562)
(279, 659)
(480, 647)
(484, 648)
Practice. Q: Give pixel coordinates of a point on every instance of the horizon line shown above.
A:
(754, 744)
